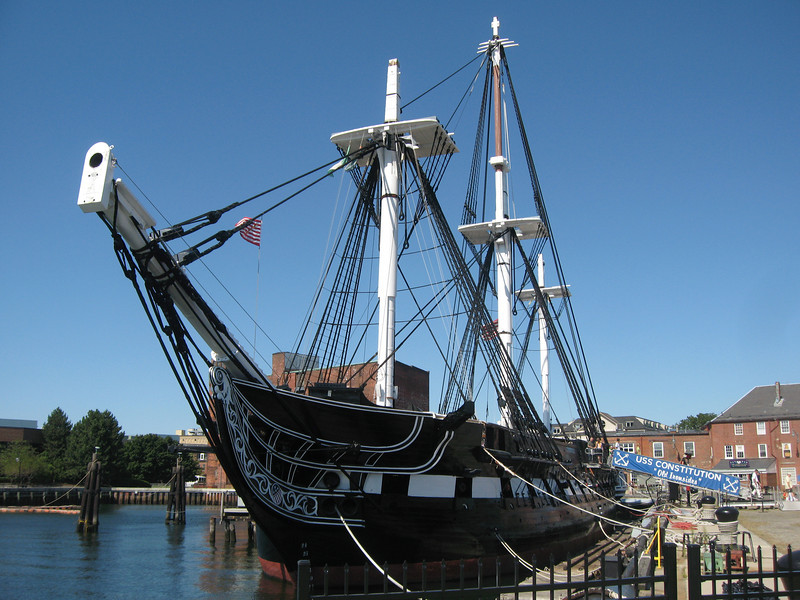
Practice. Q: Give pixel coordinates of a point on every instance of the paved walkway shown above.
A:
(776, 527)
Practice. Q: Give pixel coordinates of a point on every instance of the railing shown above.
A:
(710, 575)
(437, 581)
(728, 574)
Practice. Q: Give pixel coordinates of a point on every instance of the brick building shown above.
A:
(287, 370)
(761, 430)
(20, 430)
(194, 442)
(650, 438)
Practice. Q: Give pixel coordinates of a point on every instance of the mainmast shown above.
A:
(502, 245)
(499, 230)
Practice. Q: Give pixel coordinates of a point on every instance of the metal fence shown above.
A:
(713, 574)
(437, 582)
(709, 575)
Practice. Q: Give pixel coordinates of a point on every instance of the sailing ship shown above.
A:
(337, 454)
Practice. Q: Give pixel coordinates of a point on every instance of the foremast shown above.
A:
(385, 389)
(394, 139)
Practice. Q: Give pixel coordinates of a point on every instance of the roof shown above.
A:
(620, 425)
(19, 423)
(761, 404)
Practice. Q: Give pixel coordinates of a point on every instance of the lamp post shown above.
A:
(19, 473)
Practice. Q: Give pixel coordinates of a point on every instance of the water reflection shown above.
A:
(134, 554)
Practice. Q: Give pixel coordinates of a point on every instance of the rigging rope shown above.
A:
(539, 199)
(366, 554)
(594, 491)
(454, 73)
(554, 497)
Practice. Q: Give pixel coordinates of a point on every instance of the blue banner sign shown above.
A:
(676, 472)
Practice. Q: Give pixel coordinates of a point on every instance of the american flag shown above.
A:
(251, 233)
(489, 332)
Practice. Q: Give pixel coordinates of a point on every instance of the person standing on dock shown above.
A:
(788, 485)
(685, 461)
(755, 484)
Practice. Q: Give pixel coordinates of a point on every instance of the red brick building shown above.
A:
(761, 430)
(20, 430)
(212, 475)
(651, 438)
(287, 369)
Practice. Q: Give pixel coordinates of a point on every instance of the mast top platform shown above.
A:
(496, 39)
(427, 137)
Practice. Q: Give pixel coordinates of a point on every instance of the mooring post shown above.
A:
(176, 502)
(230, 530)
(89, 519)
(304, 579)
(251, 532)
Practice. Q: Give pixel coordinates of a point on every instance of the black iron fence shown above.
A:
(713, 574)
(437, 581)
(709, 575)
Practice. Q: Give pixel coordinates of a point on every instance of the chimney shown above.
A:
(778, 398)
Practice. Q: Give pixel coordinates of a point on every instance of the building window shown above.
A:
(739, 451)
(784, 426)
(728, 451)
(628, 447)
(738, 429)
(202, 456)
(762, 451)
(658, 449)
(628, 424)
(787, 450)
(761, 428)
(557, 430)
(688, 448)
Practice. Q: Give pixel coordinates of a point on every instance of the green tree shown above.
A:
(696, 422)
(97, 430)
(55, 433)
(21, 464)
(150, 457)
(190, 466)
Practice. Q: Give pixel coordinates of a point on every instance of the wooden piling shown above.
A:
(89, 519)
(176, 501)
(230, 530)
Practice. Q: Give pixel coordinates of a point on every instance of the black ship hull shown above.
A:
(331, 482)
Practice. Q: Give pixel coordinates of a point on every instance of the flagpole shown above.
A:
(258, 281)
(250, 231)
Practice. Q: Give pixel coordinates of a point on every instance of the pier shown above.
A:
(64, 496)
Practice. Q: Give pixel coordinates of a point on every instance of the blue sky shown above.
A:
(666, 136)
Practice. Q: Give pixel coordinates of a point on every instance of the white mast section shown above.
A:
(505, 298)
(544, 356)
(548, 293)
(385, 390)
(428, 138)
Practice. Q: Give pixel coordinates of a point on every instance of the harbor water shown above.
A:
(133, 555)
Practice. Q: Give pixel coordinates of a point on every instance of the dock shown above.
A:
(66, 496)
